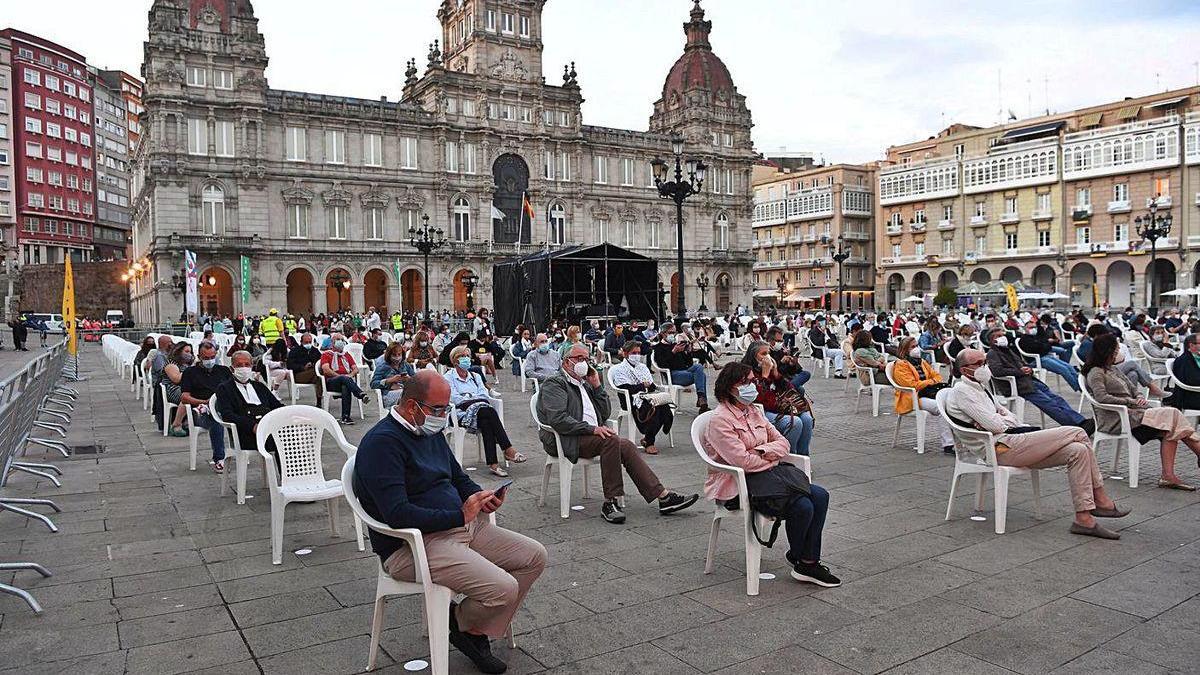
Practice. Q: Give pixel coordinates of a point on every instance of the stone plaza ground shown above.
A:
(155, 573)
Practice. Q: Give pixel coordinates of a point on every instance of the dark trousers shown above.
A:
(616, 452)
(347, 387)
(1053, 405)
(491, 429)
(660, 420)
(804, 523)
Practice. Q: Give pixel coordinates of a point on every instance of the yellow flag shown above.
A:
(1011, 291)
(68, 307)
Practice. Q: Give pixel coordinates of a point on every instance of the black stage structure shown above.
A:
(573, 283)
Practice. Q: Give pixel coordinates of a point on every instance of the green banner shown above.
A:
(396, 275)
(245, 281)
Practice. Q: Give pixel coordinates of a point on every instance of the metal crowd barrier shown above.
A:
(25, 397)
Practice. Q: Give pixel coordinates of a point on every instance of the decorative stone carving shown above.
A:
(336, 196)
(374, 198)
(298, 195)
(252, 79)
(509, 67)
(411, 199)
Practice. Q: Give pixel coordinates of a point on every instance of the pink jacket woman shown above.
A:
(739, 435)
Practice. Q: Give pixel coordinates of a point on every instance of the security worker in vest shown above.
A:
(270, 327)
(397, 321)
(291, 324)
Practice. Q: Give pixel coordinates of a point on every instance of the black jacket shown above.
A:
(665, 357)
(1006, 362)
(298, 358)
(1187, 372)
(233, 408)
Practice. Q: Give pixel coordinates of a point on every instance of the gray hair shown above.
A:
(240, 354)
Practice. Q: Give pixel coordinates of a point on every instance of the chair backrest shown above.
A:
(298, 431)
(1121, 410)
(943, 398)
(352, 499)
(699, 427)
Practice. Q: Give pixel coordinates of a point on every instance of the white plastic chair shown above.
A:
(920, 416)
(861, 372)
(966, 462)
(328, 397)
(565, 466)
(234, 451)
(1177, 384)
(1152, 361)
(459, 438)
(298, 432)
(168, 418)
(625, 411)
(744, 513)
(1125, 436)
(665, 375)
(1012, 400)
(521, 366)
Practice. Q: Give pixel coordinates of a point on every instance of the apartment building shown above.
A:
(801, 219)
(114, 151)
(1052, 202)
(8, 220)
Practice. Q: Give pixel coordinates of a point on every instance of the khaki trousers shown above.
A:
(1059, 446)
(615, 452)
(492, 566)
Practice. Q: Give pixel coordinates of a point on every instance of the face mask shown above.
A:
(432, 425)
(243, 375)
(208, 364)
(543, 348)
(186, 358)
(1001, 342)
(308, 345)
(634, 359)
(1158, 339)
(983, 374)
(580, 369)
(464, 362)
(339, 345)
(914, 353)
(747, 393)
(422, 343)
(257, 341)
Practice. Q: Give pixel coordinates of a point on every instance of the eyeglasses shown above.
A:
(435, 410)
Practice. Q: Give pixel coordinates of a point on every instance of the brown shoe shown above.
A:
(1114, 512)
(1096, 530)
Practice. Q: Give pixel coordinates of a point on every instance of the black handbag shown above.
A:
(772, 491)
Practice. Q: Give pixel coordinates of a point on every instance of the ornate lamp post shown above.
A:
(781, 284)
(426, 239)
(702, 283)
(662, 301)
(678, 190)
(339, 281)
(840, 254)
(1153, 227)
(470, 282)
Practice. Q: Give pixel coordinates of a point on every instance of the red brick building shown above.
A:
(52, 149)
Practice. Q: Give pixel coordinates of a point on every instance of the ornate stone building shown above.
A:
(319, 192)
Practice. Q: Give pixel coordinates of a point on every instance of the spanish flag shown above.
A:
(68, 307)
(526, 206)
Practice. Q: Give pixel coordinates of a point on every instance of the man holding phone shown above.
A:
(406, 476)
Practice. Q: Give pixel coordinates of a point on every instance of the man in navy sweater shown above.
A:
(406, 476)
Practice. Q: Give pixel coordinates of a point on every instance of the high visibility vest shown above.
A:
(397, 322)
(291, 325)
(270, 327)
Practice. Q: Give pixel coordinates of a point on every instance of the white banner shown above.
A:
(192, 304)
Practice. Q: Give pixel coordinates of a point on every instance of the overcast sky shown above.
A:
(840, 79)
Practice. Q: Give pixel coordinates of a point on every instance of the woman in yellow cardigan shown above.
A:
(913, 371)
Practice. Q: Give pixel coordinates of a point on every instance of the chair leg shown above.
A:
(358, 529)
(713, 533)
(193, 435)
(857, 400)
(376, 628)
(1036, 478)
(243, 461)
(896, 434)
(1135, 460)
(331, 505)
(1000, 496)
(953, 488)
(979, 494)
(564, 488)
(921, 433)
(437, 613)
(875, 401)
(277, 532)
(546, 468)
(753, 556)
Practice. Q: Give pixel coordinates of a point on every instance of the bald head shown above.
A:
(426, 387)
(164, 343)
(969, 360)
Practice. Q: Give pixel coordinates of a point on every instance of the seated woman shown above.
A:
(796, 425)
(931, 342)
(739, 435)
(475, 411)
(179, 360)
(274, 363)
(238, 345)
(1166, 424)
(868, 360)
(391, 372)
(1159, 348)
(482, 348)
(633, 376)
(522, 344)
(422, 352)
(148, 345)
(915, 372)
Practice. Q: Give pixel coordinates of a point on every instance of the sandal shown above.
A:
(178, 433)
(1176, 486)
(498, 471)
(516, 459)
(217, 467)
(648, 448)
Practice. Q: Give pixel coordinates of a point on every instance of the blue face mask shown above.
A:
(464, 362)
(543, 348)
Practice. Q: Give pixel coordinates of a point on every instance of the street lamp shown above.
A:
(662, 301)
(1153, 227)
(840, 254)
(426, 239)
(339, 280)
(678, 190)
(781, 284)
(702, 284)
(469, 282)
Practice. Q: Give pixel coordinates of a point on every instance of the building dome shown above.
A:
(698, 67)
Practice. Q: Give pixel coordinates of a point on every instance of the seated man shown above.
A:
(970, 405)
(542, 361)
(824, 342)
(405, 476)
(199, 383)
(158, 361)
(302, 360)
(244, 401)
(340, 370)
(673, 353)
(575, 404)
(1004, 361)
(614, 340)
(374, 346)
(785, 358)
(1034, 341)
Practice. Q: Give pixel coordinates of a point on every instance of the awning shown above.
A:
(1089, 120)
(1128, 112)
(1035, 130)
(766, 294)
(798, 297)
(1170, 101)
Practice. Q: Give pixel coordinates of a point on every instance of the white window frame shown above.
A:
(408, 152)
(564, 166)
(296, 144)
(339, 221)
(628, 171)
(197, 76)
(524, 25)
(461, 217)
(212, 207)
(297, 221)
(374, 223)
(223, 138)
(197, 141)
(721, 233)
(1010, 241)
(467, 158)
(1043, 238)
(452, 157)
(556, 222)
(600, 169)
(335, 146)
(372, 150)
(222, 79)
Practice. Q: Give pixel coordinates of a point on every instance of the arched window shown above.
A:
(462, 219)
(558, 224)
(213, 208)
(721, 233)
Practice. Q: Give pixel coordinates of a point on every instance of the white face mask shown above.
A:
(634, 359)
(580, 369)
(243, 375)
(1001, 342)
(914, 353)
(747, 393)
(983, 374)
(1031, 331)
(433, 425)
(680, 338)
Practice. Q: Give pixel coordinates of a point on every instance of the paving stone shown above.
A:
(282, 607)
(174, 626)
(1105, 661)
(881, 593)
(39, 645)
(607, 596)
(1013, 592)
(96, 664)
(1148, 589)
(1168, 640)
(339, 656)
(282, 636)
(182, 656)
(167, 602)
(787, 661)
(947, 661)
(635, 660)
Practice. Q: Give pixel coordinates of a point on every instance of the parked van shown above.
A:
(54, 322)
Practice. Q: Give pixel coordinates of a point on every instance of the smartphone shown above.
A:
(499, 491)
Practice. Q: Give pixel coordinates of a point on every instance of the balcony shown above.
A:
(1098, 247)
(895, 229)
(1010, 218)
(945, 224)
(931, 179)
(811, 236)
(853, 235)
(795, 239)
(1044, 214)
(1007, 166)
(918, 227)
(1124, 148)
(1119, 206)
(770, 264)
(977, 221)
(1164, 201)
(1081, 212)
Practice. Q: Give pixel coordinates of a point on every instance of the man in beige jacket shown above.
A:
(969, 404)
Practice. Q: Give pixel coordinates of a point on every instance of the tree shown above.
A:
(946, 297)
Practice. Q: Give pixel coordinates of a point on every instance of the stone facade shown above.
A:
(315, 189)
(98, 288)
(8, 210)
(113, 152)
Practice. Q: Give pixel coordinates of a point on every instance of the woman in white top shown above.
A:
(633, 376)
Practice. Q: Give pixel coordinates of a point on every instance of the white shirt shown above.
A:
(589, 410)
(626, 373)
(248, 393)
